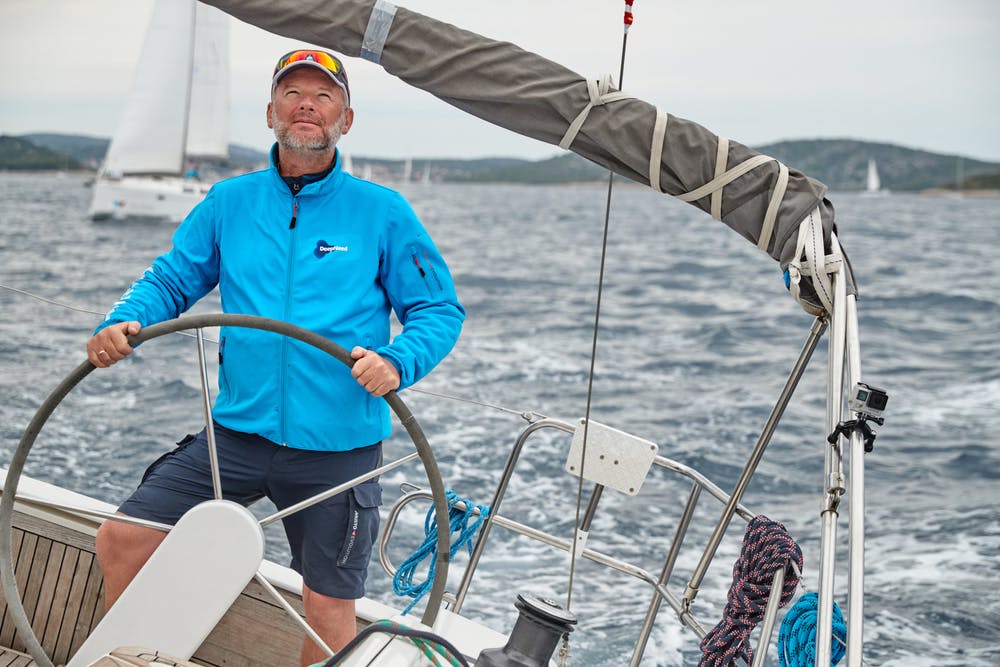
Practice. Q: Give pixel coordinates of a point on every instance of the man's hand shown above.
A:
(110, 345)
(372, 372)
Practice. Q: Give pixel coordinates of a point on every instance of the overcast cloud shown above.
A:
(920, 73)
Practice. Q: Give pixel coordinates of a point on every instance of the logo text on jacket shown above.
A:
(323, 248)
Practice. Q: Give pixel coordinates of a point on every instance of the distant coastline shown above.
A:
(841, 164)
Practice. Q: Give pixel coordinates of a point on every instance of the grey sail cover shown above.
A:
(501, 83)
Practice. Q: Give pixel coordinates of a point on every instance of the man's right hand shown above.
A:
(110, 344)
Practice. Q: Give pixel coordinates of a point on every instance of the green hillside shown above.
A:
(842, 164)
(839, 163)
(17, 153)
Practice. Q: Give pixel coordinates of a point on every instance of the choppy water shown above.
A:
(697, 337)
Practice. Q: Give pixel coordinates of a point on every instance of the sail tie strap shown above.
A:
(403, 581)
(721, 160)
(656, 150)
(725, 178)
(600, 94)
(377, 30)
(767, 546)
(812, 261)
(797, 637)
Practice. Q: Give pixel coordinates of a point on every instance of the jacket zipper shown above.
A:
(288, 304)
(429, 274)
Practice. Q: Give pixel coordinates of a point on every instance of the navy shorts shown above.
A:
(331, 542)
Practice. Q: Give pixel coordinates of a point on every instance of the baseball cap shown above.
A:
(321, 60)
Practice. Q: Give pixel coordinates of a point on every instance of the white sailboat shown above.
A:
(176, 115)
(874, 183)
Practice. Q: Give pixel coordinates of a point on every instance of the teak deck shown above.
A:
(60, 584)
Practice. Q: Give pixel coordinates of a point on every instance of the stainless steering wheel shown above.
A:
(198, 323)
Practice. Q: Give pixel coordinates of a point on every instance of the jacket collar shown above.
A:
(310, 183)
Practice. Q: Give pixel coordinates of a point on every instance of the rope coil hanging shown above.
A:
(403, 583)
(767, 546)
(797, 637)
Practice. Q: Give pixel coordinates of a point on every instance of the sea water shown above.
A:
(696, 337)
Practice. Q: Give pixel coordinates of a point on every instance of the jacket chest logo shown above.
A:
(323, 248)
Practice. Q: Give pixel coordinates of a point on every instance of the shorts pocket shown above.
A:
(184, 442)
(362, 526)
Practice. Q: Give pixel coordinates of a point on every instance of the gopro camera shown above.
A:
(868, 401)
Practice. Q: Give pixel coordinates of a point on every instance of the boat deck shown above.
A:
(60, 583)
(11, 658)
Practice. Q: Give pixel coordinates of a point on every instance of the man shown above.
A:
(306, 243)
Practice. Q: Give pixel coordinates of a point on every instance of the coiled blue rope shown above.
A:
(403, 581)
(797, 637)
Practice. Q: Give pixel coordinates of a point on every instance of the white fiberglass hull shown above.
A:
(167, 198)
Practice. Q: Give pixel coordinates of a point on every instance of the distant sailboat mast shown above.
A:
(207, 131)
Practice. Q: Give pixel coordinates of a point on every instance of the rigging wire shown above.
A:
(628, 20)
(50, 301)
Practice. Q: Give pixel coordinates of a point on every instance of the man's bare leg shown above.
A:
(122, 550)
(333, 620)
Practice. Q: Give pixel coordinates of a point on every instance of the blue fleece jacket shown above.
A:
(333, 259)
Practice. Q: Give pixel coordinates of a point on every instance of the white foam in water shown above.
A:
(941, 405)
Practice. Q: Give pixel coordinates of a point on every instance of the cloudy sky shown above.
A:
(919, 73)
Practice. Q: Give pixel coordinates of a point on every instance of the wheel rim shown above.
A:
(20, 455)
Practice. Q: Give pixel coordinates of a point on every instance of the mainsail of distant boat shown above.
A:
(177, 113)
(874, 183)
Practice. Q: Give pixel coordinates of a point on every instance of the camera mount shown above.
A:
(869, 404)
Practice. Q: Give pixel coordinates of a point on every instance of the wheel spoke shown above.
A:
(206, 400)
(80, 510)
(294, 615)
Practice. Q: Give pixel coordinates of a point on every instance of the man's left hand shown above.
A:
(374, 373)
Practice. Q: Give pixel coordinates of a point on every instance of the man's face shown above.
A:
(307, 111)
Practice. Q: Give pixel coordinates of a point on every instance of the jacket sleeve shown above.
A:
(177, 278)
(422, 294)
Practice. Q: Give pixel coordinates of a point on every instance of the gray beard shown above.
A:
(290, 142)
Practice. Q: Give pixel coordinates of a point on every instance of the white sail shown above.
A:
(208, 115)
(151, 135)
(874, 183)
(178, 111)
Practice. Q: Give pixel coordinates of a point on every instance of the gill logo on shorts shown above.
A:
(323, 248)
(352, 538)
